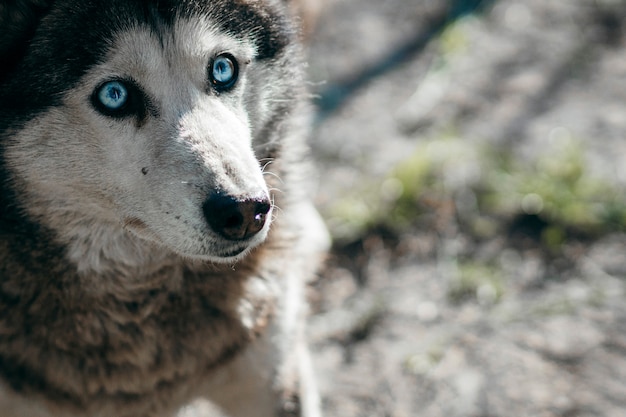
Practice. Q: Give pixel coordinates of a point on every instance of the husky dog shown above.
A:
(155, 225)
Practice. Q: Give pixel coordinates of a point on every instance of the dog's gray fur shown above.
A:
(117, 298)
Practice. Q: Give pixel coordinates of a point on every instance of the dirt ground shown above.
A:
(387, 337)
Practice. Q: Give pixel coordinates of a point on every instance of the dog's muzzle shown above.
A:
(236, 218)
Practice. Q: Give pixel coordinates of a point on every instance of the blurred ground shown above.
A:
(459, 313)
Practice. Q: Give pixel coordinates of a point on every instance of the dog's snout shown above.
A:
(236, 218)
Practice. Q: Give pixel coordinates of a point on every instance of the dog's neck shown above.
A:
(106, 249)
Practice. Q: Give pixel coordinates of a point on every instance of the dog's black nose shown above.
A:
(234, 218)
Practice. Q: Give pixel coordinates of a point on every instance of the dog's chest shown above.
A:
(136, 349)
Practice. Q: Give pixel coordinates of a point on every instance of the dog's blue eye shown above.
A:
(113, 95)
(224, 72)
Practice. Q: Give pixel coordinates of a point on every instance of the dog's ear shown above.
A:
(18, 22)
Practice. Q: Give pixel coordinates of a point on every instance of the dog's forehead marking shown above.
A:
(188, 46)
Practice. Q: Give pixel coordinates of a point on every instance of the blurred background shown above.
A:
(472, 172)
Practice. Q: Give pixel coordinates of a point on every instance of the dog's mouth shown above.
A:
(232, 254)
(232, 228)
(135, 224)
(140, 229)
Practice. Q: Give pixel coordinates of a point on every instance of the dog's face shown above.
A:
(156, 129)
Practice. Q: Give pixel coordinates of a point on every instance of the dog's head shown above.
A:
(156, 115)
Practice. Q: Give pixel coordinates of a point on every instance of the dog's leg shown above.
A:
(298, 376)
(253, 386)
(274, 377)
(244, 387)
(309, 395)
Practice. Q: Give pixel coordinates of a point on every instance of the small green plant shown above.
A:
(424, 362)
(475, 280)
(493, 186)
(559, 188)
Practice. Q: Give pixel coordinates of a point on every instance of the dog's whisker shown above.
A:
(268, 162)
(272, 174)
(275, 206)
